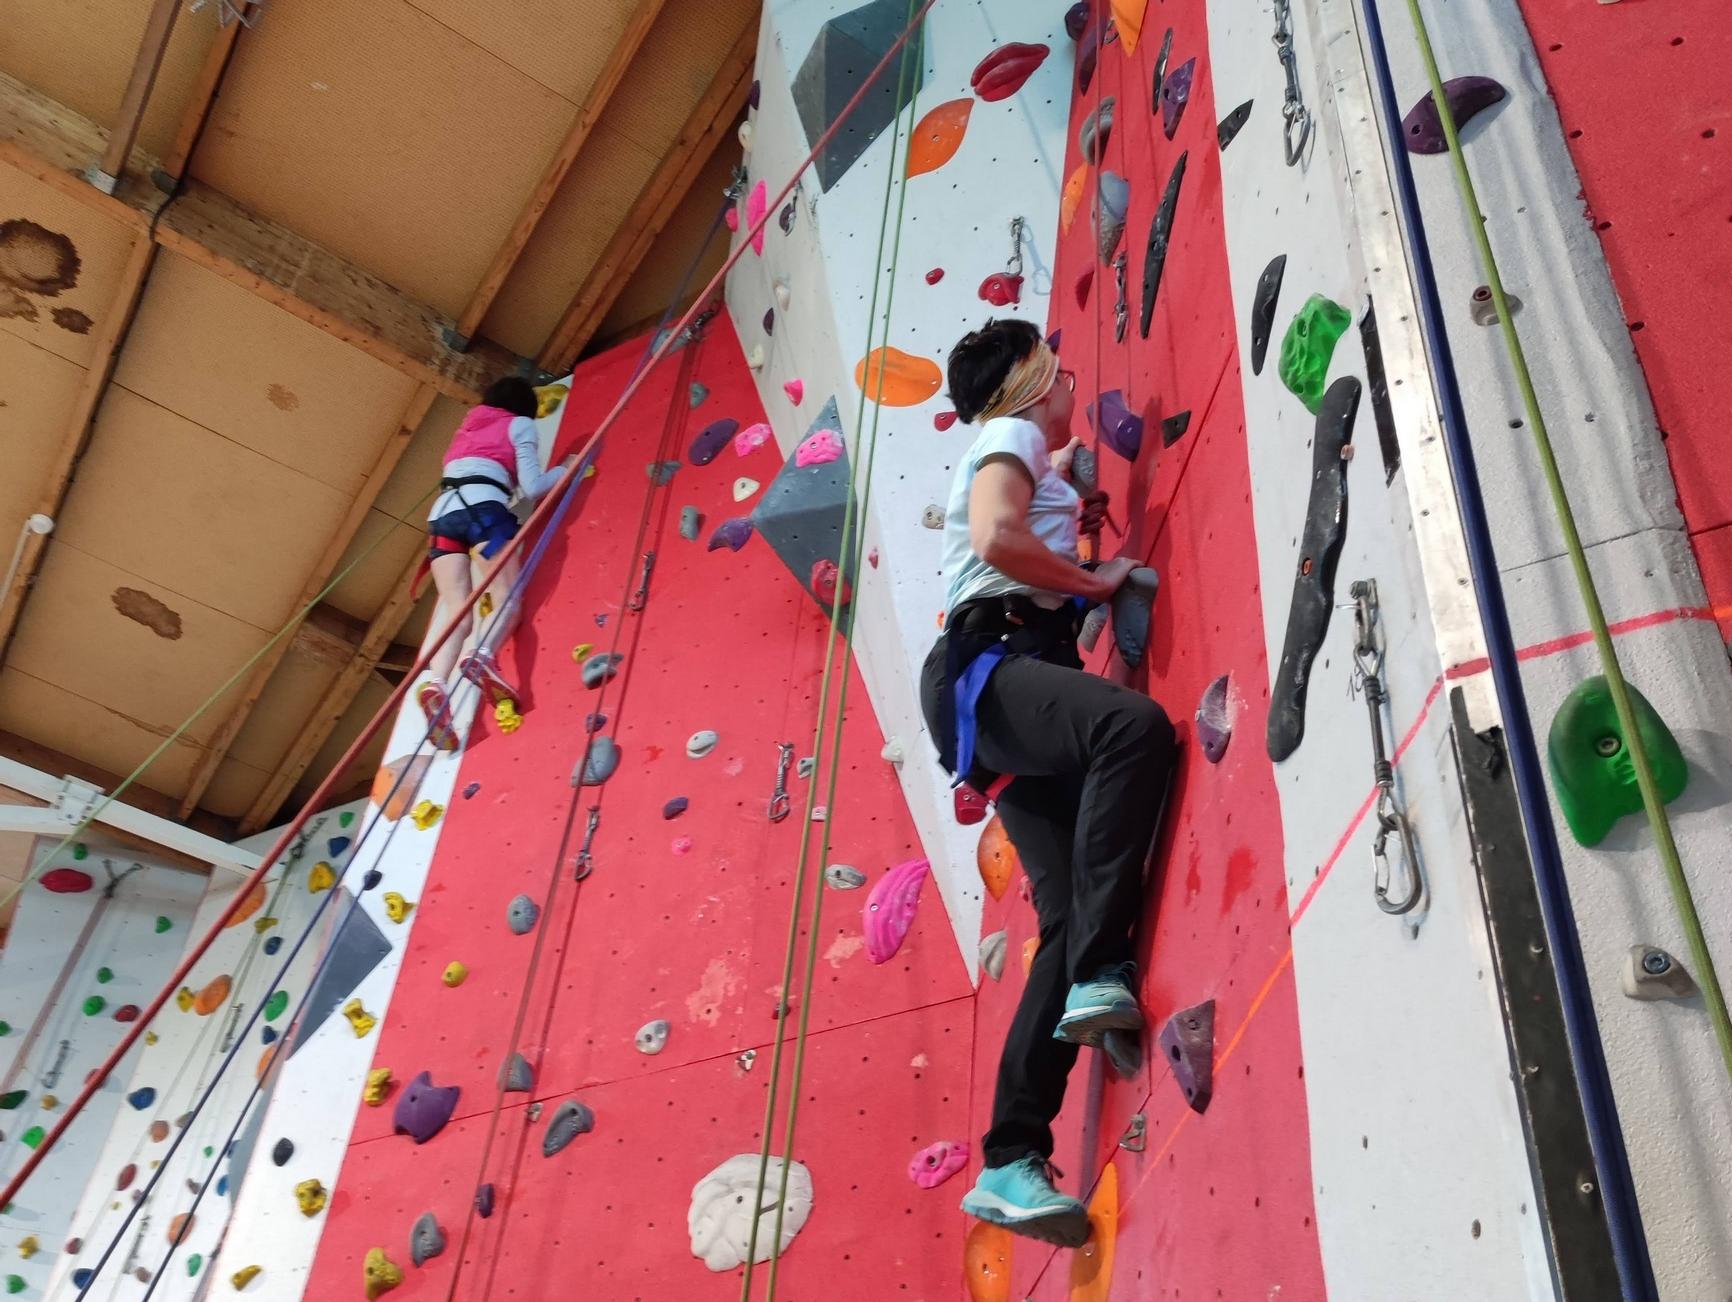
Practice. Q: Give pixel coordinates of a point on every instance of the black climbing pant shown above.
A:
(1091, 762)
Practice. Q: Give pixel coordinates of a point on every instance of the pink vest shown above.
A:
(486, 432)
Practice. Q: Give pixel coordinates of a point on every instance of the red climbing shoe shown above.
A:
(430, 696)
(480, 668)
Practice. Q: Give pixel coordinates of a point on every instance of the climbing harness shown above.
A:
(780, 804)
(641, 597)
(584, 862)
(1391, 816)
(1295, 117)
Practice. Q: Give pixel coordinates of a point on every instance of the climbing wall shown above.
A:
(683, 920)
(76, 964)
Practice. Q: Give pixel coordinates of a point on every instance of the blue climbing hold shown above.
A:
(675, 807)
(336, 845)
(81, 1277)
(142, 1099)
(273, 944)
(223, 1187)
(267, 1035)
(372, 879)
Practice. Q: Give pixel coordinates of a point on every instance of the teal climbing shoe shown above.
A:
(1021, 1198)
(1092, 1008)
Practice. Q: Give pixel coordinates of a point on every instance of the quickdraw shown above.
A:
(1294, 115)
(1391, 817)
(780, 804)
(584, 862)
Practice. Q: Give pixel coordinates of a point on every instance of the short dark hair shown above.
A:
(514, 394)
(981, 360)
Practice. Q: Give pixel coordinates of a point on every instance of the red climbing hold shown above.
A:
(1084, 283)
(935, 275)
(970, 806)
(1002, 289)
(944, 420)
(825, 580)
(128, 1174)
(1002, 73)
(126, 1013)
(66, 881)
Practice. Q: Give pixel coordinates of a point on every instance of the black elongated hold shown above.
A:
(1229, 125)
(1160, 233)
(484, 1201)
(1263, 310)
(1422, 128)
(1160, 70)
(1314, 579)
(1377, 382)
(283, 1151)
(1188, 1045)
(1133, 611)
(1173, 428)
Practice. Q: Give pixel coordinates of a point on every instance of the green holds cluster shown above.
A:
(162, 924)
(1592, 771)
(104, 975)
(33, 1136)
(94, 1005)
(1308, 345)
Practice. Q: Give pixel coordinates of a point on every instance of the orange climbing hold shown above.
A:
(1030, 948)
(213, 996)
(1091, 1266)
(938, 136)
(254, 901)
(1071, 200)
(986, 1262)
(180, 1227)
(266, 1060)
(394, 804)
(1128, 16)
(905, 380)
(996, 857)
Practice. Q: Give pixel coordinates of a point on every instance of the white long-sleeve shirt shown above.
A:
(534, 479)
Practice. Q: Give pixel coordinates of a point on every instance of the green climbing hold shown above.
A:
(33, 1136)
(162, 924)
(208, 1150)
(12, 1098)
(80, 850)
(104, 975)
(1308, 346)
(345, 818)
(94, 1005)
(1592, 771)
(5, 1027)
(194, 1262)
(15, 1283)
(275, 1004)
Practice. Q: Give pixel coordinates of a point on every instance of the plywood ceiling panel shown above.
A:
(366, 703)
(233, 788)
(364, 590)
(674, 69)
(37, 392)
(205, 348)
(81, 53)
(281, 712)
(241, 533)
(61, 241)
(409, 491)
(560, 43)
(452, 140)
(91, 732)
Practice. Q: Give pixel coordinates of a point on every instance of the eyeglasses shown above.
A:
(1068, 379)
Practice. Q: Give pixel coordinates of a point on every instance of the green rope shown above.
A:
(1652, 801)
(294, 622)
(851, 550)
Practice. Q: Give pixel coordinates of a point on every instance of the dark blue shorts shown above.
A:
(487, 525)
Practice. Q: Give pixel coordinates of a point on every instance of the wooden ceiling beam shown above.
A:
(50, 142)
(139, 796)
(396, 443)
(153, 45)
(673, 178)
(204, 91)
(619, 60)
(332, 637)
(335, 703)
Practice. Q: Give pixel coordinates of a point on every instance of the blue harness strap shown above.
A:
(969, 685)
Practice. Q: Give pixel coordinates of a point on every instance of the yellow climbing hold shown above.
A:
(581, 651)
(244, 1276)
(380, 1273)
(1091, 1266)
(396, 907)
(454, 974)
(183, 999)
(29, 1246)
(425, 814)
(310, 1194)
(49, 1102)
(262, 925)
(506, 716)
(359, 1017)
(322, 878)
(378, 1085)
(151, 1037)
(484, 607)
(547, 399)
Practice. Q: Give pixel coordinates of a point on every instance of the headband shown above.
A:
(1029, 380)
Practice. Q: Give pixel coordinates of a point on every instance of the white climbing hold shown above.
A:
(992, 950)
(844, 877)
(933, 517)
(744, 487)
(745, 134)
(652, 1037)
(892, 752)
(721, 1227)
(755, 358)
(784, 295)
(700, 744)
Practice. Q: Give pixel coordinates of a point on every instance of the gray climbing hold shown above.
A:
(600, 667)
(484, 1201)
(652, 1037)
(800, 515)
(691, 523)
(992, 951)
(675, 807)
(699, 391)
(1109, 213)
(283, 1150)
(598, 763)
(593, 723)
(661, 472)
(1093, 625)
(844, 877)
(1652, 973)
(426, 1239)
(516, 1076)
(1095, 131)
(845, 51)
(932, 517)
(570, 1119)
(1133, 606)
(520, 915)
(700, 744)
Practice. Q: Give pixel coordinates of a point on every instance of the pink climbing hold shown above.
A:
(935, 275)
(819, 448)
(1002, 289)
(682, 845)
(757, 204)
(731, 219)
(889, 911)
(750, 439)
(872, 558)
(944, 420)
(796, 391)
(66, 881)
(826, 578)
(936, 1163)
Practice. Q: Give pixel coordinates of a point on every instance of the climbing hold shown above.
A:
(710, 441)
(1173, 427)
(274, 1006)
(1001, 289)
(1030, 948)
(691, 523)
(12, 1099)
(993, 948)
(598, 762)
(986, 1257)
(1070, 201)
(1120, 428)
(311, 1196)
(570, 1119)
(94, 1005)
(581, 652)
(484, 1201)
(1160, 76)
(282, 1151)
(932, 517)
(1589, 758)
(697, 393)
(818, 448)
(996, 858)
(1091, 1265)
(872, 557)
(66, 881)
(938, 135)
(180, 1227)
(828, 584)
(732, 534)
(1175, 94)
(1096, 130)
(1188, 1044)
(262, 925)
(935, 275)
(273, 944)
(652, 1037)
(744, 134)
(516, 1076)
(1422, 128)
(377, 1087)
(336, 846)
(423, 1108)
(891, 752)
(126, 1013)
(757, 207)
(936, 1163)
(943, 420)
(1314, 576)
(970, 806)
(1229, 125)
(1133, 608)
(1308, 345)
(454, 974)
(521, 914)
(547, 399)
(1214, 720)
(16, 1284)
(158, 1131)
(244, 1276)
(506, 716)
(425, 813)
(1651, 973)
(1113, 193)
(142, 1098)
(163, 924)
(1263, 310)
(796, 391)
(750, 439)
(701, 743)
(322, 878)
(426, 1239)
(893, 378)
(29, 1246)
(33, 1136)
(661, 473)
(359, 1018)
(396, 907)
(1006, 70)
(1088, 49)
(104, 975)
(128, 1174)
(889, 911)
(722, 1230)
(785, 218)
(379, 1273)
(744, 488)
(1128, 18)
(1160, 233)
(601, 666)
(369, 880)
(784, 295)
(50, 1102)
(5, 1028)
(844, 877)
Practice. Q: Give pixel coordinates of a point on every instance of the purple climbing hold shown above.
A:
(469, 792)
(1175, 94)
(889, 911)
(371, 879)
(1214, 720)
(1188, 1043)
(1088, 51)
(785, 218)
(423, 1108)
(1468, 97)
(752, 95)
(732, 534)
(1076, 20)
(675, 807)
(769, 320)
(1120, 428)
(708, 445)
(484, 1201)
(1055, 340)
(594, 722)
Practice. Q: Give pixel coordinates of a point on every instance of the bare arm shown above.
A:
(998, 531)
